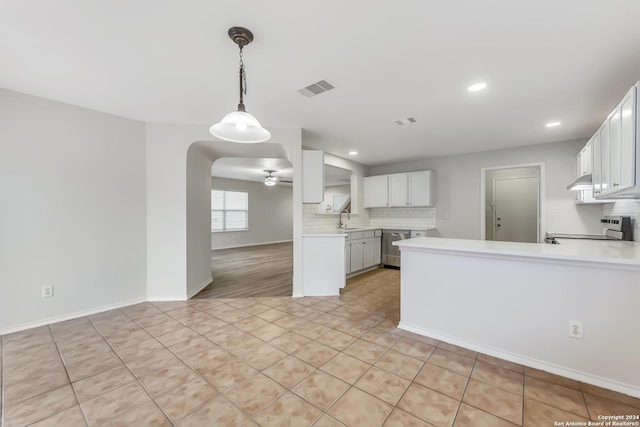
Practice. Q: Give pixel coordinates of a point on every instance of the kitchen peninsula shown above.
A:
(516, 301)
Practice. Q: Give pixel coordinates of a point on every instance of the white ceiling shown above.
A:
(171, 61)
(253, 169)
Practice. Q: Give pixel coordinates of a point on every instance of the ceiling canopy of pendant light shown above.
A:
(240, 126)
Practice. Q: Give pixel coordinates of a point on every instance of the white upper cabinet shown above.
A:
(596, 173)
(618, 152)
(585, 160)
(413, 189)
(421, 188)
(398, 189)
(376, 191)
(588, 162)
(312, 176)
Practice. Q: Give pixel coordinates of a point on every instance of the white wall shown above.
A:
(72, 184)
(270, 214)
(327, 205)
(458, 187)
(198, 218)
(172, 238)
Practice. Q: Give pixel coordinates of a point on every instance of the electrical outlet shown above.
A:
(47, 291)
(576, 329)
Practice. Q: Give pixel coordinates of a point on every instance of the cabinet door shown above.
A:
(357, 250)
(398, 189)
(377, 250)
(420, 186)
(368, 252)
(605, 160)
(596, 173)
(585, 160)
(626, 164)
(347, 256)
(312, 176)
(613, 125)
(376, 191)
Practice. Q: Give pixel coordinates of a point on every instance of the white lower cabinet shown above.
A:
(377, 247)
(367, 252)
(347, 255)
(362, 250)
(357, 252)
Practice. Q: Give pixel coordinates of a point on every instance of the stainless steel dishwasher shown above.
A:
(390, 253)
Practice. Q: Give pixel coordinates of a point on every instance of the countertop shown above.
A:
(337, 231)
(605, 251)
(341, 231)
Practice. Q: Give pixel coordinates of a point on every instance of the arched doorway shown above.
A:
(252, 228)
(200, 158)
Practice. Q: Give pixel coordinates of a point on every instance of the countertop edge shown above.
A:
(431, 244)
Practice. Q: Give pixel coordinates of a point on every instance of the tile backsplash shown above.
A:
(627, 208)
(409, 218)
(314, 222)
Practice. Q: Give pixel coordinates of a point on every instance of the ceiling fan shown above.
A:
(271, 180)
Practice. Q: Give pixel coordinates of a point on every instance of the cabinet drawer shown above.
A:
(368, 233)
(357, 235)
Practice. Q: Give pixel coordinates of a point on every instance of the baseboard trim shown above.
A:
(364, 270)
(160, 298)
(584, 377)
(74, 315)
(251, 244)
(199, 288)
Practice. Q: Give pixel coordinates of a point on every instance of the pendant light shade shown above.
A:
(240, 126)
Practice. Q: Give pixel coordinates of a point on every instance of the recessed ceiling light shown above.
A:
(552, 124)
(477, 87)
(353, 153)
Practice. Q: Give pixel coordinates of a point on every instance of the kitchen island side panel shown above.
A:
(519, 309)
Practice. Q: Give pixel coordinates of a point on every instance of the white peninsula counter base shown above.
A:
(515, 301)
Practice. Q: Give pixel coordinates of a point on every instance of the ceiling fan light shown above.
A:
(240, 126)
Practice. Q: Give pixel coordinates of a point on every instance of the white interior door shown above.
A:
(516, 210)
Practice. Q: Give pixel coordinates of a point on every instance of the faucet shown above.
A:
(340, 223)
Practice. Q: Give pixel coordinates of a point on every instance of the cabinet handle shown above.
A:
(364, 243)
(597, 192)
(615, 184)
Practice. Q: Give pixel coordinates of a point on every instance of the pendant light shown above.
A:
(240, 126)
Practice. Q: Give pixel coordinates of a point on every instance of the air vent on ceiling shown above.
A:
(316, 88)
(406, 121)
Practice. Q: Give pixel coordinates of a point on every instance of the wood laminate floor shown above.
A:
(252, 271)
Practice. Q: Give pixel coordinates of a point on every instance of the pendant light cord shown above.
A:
(243, 83)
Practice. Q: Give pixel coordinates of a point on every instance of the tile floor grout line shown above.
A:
(66, 372)
(136, 379)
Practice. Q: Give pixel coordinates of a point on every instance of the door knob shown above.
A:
(497, 225)
(498, 219)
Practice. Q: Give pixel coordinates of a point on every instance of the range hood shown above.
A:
(582, 183)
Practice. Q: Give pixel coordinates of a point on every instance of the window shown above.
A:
(229, 210)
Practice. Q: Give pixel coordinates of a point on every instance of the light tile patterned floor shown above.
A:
(328, 361)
